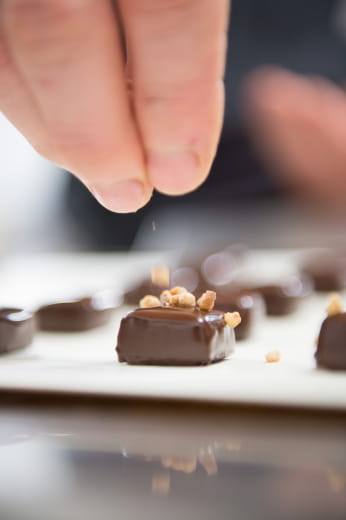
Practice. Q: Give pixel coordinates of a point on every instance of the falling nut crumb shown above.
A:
(335, 305)
(232, 319)
(207, 300)
(178, 290)
(185, 299)
(273, 357)
(160, 275)
(166, 298)
(149, 301)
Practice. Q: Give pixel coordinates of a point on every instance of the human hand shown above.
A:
(299, 127)
(65, 85)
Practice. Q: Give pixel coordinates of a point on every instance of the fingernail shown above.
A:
(174, 172)
(123, 197)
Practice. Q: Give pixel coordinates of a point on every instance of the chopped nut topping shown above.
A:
(185, 464)
(184, 299)
(149, 301)
(233, 445)
(178, 290)
(160, 275)
(336, 480)
(161, 483)
(208, 462)
(207, 300)
(335, 305)
(232, 319)
(166, 298)
(273, 357)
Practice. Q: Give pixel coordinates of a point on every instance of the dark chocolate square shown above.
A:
(331, 346)
(17, 329)
(250, 307)
(167, 336)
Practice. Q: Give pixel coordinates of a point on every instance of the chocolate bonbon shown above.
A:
(77, 314)
(210, 267)
(250, 306)
(159, 280)
(331, 345)
(169, 336)
(188, 277)
(219, 269)
(136, 292)
(283, 299)
(176, 329)
(17, 329)
(327, 271)
(185, 276)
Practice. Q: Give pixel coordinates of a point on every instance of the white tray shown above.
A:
(86, 362)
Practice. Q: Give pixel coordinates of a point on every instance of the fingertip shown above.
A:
(122, 197)
(175, 172)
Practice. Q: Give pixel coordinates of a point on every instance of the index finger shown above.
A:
(176, 50)
(69, 55)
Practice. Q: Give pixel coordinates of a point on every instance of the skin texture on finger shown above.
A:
(299, 127)
(69, 55)
(176, 51)
(16, 101)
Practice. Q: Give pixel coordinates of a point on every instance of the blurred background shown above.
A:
(279, 178)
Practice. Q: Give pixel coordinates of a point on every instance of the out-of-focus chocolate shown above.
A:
(327, 271)
(331, 346)
(187, 277)
(250, 306)
(17, 329)
(216, 268)
(183, 276)
(284, 299)
(77, 315)
(205, 269)
(219, 271)
(196, 255)
(168, 336)
(136, 293)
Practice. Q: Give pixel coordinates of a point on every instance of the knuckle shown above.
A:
(78, 152)
(161, 96)
(44, 146)
(38, 11)
(34, 21)
(168, 90)
(161, 6)
(5, 59)
(153, 99)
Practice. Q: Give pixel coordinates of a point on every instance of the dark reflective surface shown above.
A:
(81, 459)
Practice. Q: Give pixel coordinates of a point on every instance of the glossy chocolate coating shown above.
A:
(284, 299)
(167, 336)
(250, 306)
(141, 289)
(331, 346)
(17, 329)
(328, 272)
(76, 315)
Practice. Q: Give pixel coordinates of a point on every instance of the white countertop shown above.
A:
(86, 362)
